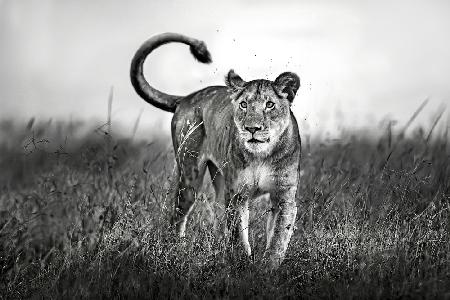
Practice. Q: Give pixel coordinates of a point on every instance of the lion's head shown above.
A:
(262, 109)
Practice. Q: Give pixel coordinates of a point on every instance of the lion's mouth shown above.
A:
(256, 141)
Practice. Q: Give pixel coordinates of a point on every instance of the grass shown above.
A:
(84, 215)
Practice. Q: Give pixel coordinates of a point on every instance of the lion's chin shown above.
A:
(258, 147)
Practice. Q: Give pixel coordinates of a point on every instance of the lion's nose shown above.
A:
(253, 129)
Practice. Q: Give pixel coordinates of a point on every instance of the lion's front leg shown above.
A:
(238, 218)
(280, 225)
(270, 226)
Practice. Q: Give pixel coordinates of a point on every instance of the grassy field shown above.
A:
(85, 216)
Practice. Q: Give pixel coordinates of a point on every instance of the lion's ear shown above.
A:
(233, 80)
(287, 83)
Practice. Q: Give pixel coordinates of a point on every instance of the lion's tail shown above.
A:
(143, 88)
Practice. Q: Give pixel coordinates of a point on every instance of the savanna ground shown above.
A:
(86, 216)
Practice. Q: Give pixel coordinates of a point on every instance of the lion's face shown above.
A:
(262, 110)
(260, 116)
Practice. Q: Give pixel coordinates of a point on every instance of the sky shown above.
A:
(359, 61)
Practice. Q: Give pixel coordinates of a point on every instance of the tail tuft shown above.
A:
(201, 53)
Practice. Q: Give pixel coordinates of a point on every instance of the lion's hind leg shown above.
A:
(189, 179)
(218, 181)
(187, 135)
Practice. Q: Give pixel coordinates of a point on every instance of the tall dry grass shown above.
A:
(85, 216)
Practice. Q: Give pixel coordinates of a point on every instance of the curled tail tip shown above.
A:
(201, 53)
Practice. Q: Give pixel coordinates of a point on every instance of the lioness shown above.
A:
(244, 133)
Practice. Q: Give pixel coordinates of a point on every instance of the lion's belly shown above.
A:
(257, 179)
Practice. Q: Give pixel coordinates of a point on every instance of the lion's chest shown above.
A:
(256, 178)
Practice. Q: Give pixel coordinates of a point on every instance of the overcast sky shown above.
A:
(358, 60)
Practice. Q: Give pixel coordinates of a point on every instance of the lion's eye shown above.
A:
(270, 104)
(243, 105)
